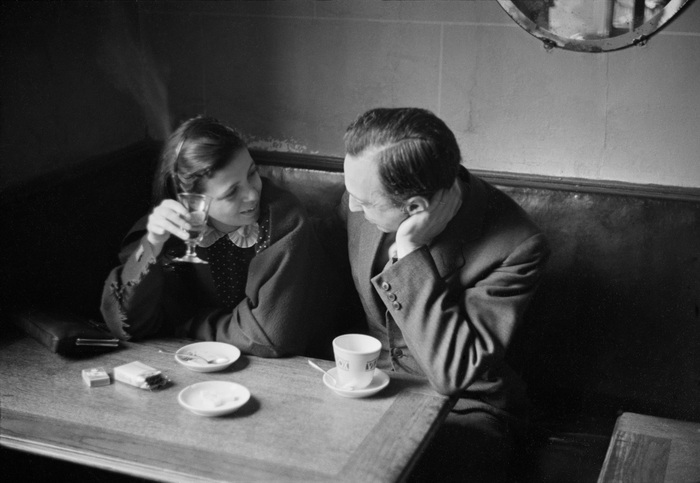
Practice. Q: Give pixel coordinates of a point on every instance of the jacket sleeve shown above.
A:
(134, 301)
(282, 309)
(456, 332)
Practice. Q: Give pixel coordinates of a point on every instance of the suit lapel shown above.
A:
(366, 242)
(364, 246)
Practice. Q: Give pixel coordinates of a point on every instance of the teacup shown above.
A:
(355, 359)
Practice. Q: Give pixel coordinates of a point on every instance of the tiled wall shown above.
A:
(293, 73)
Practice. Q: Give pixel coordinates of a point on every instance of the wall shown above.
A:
(292, 74)
(58, 103)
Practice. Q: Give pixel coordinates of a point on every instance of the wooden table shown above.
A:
(651, 449)
(293, 428)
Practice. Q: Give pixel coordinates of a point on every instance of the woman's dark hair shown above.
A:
(197, 149)
(417, 153)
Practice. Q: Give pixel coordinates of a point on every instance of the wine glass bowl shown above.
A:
(197, 206)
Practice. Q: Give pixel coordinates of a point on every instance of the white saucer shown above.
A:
(379, 382)
(213, 398)
(210, 350)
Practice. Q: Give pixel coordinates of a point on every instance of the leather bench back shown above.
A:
(615, 325)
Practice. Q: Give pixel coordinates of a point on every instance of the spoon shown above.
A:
(335, 381)
(216, 360)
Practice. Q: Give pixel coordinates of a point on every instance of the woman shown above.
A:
(264, 288)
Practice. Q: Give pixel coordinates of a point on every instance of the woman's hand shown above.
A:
(168, 218)
(422, 227)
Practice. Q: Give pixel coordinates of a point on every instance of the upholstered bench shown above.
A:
(615, 326)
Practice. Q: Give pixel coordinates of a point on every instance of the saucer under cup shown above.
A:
(355, 359)
(379, 381)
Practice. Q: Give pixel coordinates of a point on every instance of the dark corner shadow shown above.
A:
(9, 334)
(90, 355)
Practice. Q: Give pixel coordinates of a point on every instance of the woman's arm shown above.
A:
(140, 294)
(132, 298)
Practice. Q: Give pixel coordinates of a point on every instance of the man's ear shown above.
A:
(416, 204)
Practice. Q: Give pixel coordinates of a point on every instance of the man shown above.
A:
(445, 265)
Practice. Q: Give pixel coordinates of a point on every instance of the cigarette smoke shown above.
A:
(131, 67)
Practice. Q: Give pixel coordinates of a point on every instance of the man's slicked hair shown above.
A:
(417, 153)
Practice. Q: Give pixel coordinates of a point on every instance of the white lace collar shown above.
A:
(246, 236)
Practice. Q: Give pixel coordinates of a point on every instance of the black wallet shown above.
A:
(64, 332)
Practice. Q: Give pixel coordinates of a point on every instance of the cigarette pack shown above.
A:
(95, 377)
(140, 375)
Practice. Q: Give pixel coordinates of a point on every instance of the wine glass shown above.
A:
(198, 208)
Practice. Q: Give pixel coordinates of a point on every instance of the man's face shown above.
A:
(367, 194)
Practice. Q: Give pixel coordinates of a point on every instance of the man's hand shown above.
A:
(422, 227)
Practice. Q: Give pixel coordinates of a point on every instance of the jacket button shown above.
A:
(391, 296)
(396, 305)
(386, 286)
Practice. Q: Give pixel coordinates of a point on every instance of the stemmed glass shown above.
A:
(198, 209)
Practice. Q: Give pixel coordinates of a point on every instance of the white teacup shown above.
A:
(355, 359)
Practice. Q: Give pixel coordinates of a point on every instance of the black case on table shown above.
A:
(64, 332)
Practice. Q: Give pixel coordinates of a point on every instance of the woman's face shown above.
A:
(235, 192)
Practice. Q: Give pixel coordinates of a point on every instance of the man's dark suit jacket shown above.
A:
(448, 311)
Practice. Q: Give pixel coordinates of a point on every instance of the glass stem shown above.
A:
(190, 249)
